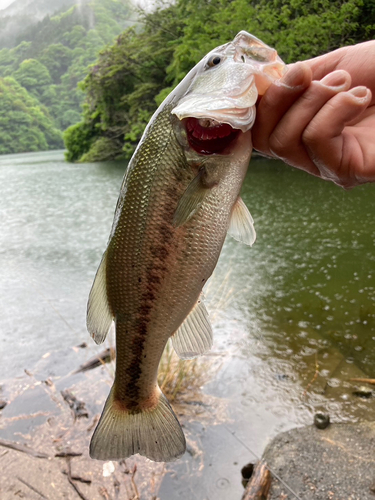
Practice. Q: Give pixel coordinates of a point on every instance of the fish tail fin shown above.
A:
(154, 433)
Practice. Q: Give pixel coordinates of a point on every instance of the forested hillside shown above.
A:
(40, 72)
(23, 13)
(133, 76)
(23, 123)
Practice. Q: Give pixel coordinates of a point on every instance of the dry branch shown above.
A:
(71, 481)
(31, 487)
(259, 484)
(78, 478)
(370, 381)
(22, 448)
(68, 454)
(100, 359)
(78, 407)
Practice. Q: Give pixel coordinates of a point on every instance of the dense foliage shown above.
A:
(51, 58)
(23, 122)
(133, 76)
(21, 14)
(121, 89)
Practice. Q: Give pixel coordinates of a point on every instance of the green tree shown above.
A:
(135, 74)
(33, 75)
(121, 87)
(54, 54)
(24, 125)
(57, 58)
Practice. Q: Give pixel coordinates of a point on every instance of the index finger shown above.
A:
(275, 103)
(322, 65)
(355, 59)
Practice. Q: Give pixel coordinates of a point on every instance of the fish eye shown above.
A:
(214, 61)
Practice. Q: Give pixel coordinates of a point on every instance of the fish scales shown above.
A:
(178, 200)
(151, 296)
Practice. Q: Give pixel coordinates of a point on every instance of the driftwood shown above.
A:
(22, 448)
(259, 484)
(100, 359)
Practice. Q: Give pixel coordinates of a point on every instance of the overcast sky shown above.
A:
(142, 3)
(5, 3)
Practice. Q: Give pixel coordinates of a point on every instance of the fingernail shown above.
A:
(337, 80)
(359, 92)
(294, 76)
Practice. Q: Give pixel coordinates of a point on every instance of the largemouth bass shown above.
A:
(178, 200)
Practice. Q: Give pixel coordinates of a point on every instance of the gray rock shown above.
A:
(336, 463)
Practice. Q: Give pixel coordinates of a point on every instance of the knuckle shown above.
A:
(279, 144)
(312, 134)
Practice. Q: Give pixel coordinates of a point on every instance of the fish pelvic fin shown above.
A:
(154, 433)
(241, 226)
(194, 337)
(99, 316)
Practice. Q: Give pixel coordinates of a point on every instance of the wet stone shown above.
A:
(363, 392)
(335, 463)
(321, 420)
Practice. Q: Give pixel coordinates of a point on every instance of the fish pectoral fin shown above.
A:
(194, 337)
(191, 200)
(154, 433)
(241, 225)
(99, 317)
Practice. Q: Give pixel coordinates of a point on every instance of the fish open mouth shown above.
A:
(207, 136)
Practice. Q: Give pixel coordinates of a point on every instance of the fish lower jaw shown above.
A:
(208, 136)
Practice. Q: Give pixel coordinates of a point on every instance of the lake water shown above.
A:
(293, 316)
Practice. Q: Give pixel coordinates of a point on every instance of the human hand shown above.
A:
(321, 116)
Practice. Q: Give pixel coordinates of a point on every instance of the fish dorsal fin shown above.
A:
(241, 226)
(194, 337)
(99, 317)
(190, 201)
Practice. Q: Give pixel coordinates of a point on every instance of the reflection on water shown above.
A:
(312, 269)
(54, 225)
(294, 316)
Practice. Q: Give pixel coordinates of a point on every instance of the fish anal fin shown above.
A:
(241, 226)
(194, 337)
(154, 433)
(99, 317)
(191, 200)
